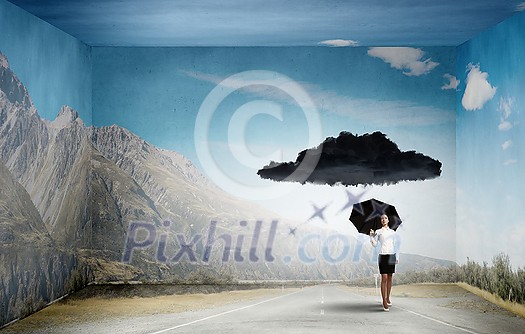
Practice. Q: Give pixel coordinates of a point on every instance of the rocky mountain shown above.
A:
(164, 189)
(44, 192)
(51, 160)
(170, 180)
(33, 270)
(15, 91)
(21, 222)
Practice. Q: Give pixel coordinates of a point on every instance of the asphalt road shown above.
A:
(319, 309)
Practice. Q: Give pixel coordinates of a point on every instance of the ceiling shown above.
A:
(272, 22)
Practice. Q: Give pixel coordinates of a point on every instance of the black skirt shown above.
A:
(387, 263)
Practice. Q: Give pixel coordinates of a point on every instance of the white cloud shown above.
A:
(520, 7)
(339, 42)
(505, 126)
(409, 60)
(506, 145)
(246, 83)
(510, 162)
(478, 91)
(505, 108)
(453, 82)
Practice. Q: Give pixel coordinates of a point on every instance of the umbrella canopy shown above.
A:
(366, 215)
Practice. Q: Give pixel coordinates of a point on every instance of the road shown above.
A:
(324, 309)
(318, 309)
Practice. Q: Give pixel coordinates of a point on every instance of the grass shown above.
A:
(515, 308)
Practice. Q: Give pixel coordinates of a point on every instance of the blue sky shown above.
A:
(350, 88)
(162, 95)
(55, 67)
(490, 150)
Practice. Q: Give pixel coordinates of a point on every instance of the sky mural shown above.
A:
(490, 150)
(55, 67)
(272, 22)
(232, 111)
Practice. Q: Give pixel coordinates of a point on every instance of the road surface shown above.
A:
(318, 309)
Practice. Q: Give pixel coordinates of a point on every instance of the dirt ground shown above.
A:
(86, 307)
(96, 303)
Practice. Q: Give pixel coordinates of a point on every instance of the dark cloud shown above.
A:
(355, 160)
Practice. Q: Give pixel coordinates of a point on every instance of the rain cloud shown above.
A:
(353, 160)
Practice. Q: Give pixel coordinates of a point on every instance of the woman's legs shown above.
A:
(388, 287)
(385, 294)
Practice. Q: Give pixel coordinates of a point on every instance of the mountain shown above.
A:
(418, 263)
(33, 270)
(171, 180)
(15, 91)
(44, 192)
(21, 222)
(164, 189)
(51, 160)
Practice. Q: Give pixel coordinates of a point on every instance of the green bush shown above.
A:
(520, 291)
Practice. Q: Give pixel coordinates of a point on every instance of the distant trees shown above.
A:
(498, 279)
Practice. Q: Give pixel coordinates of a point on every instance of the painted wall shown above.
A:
(54, 66)
(176, 99)
(227, 112)
(490, 144)
(44, 162)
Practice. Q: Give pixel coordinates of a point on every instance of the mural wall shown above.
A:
(197, 129)
(166, 164)
(44, 162)
(490, 150)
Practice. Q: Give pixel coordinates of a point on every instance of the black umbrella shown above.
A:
(366, 215)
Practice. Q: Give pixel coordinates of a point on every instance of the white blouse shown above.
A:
(388, 239)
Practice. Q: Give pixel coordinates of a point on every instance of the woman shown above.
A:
(387, 258)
